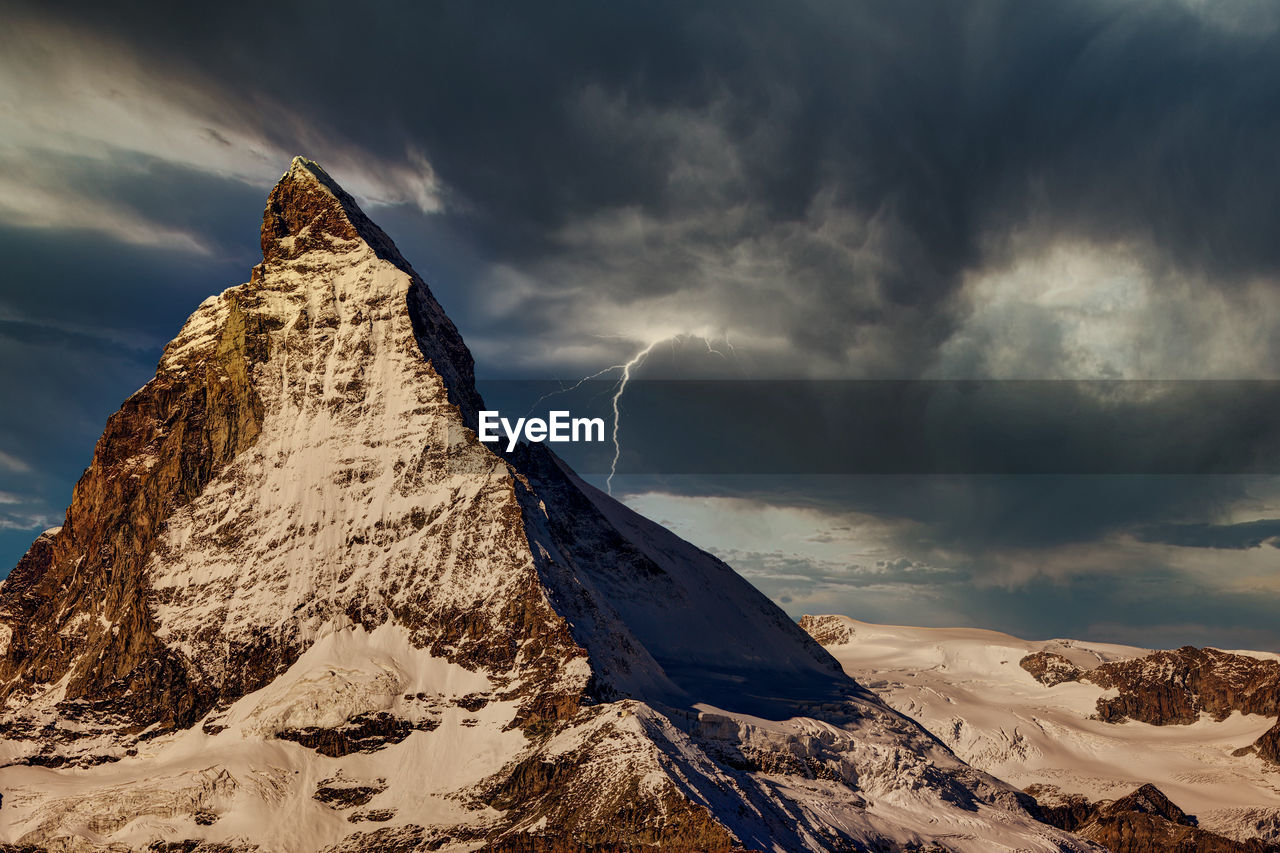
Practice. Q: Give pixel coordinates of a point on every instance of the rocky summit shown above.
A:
(296, 605)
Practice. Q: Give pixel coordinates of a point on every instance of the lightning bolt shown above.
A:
(624, 379)
(618, 391)
(572, 387)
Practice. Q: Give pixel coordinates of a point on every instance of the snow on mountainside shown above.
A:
(296, 605)
(967, 687)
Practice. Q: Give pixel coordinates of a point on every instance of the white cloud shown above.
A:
(9, 462)
(52, 206)
(66, 93)
(1074, 310)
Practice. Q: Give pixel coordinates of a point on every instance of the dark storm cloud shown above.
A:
(801, 572)
(976, 517)
(982, 467)
(220, 212)
(926, 427)
(1245, 534)
(820, 181)
(946, 127)
(83, 283)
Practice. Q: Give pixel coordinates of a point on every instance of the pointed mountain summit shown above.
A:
(296, 605)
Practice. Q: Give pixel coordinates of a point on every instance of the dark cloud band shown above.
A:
(873, 427)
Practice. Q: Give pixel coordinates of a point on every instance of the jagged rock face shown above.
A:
(1268, 746)
(1134, 832)
(1176, 687)
(75, 610)
(827, 630)
(297, 605)
(1145, 821)
(1062, 809)
(1148, 800)
(1050, 669)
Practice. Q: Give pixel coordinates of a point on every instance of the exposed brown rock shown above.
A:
(77, 602)
(303, 215)
(1050, 669)
(340, 794)
(1268, 746)
(392, 839)
(1061, 809)
(1134, 832)
(1176, 687)
(193, 845)
(1145, 821)
(362, 733)
(577, 814)
(827, 630)
(552, 844)
(1148, 800)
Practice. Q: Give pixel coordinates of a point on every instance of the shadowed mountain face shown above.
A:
(297, 605)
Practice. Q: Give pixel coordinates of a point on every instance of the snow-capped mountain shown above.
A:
(1065, 717)
(296, 605)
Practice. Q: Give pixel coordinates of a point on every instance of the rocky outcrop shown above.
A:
(827, 630)
(1145, 821)
(1176, 687)
(361, 733)
(76, 608)
(1268, 746)
(1062, 809)
(560, 796)
(339, 793)
(1050, 668)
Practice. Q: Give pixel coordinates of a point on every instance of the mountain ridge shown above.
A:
(297, 605)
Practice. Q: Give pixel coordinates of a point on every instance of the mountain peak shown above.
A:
(302, 165)
(294, 580)
(309, 214)
(308, 210)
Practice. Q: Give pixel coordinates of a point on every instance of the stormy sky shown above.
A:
(775, 191)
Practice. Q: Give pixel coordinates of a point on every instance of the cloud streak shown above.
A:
(76, 101)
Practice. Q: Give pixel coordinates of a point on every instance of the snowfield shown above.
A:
(261, 787)
(965, 686)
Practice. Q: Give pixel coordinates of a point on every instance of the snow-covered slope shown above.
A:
(298, 606)
(966, 686)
